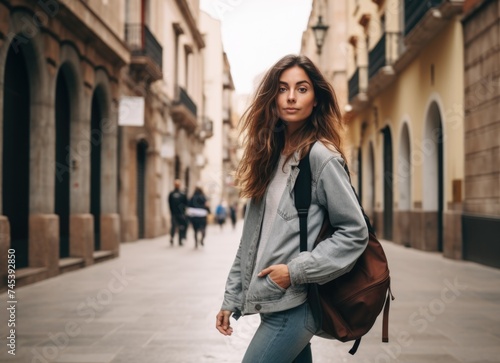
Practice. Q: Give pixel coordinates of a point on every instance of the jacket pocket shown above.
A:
(286, 207)
(274, 284)
(264, 288)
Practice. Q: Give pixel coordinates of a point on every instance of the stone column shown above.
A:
(44, 242)
(452, 235)
(110, 233)
(402, 233)
(129, 223)
(43, 250)
(81, 236)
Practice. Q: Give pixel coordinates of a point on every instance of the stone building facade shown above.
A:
(481, 212)
(101, 108)
(58, 134)
(166, 71)
(219, 159)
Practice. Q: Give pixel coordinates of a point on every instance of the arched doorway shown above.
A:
(142, 147)
(96, 138)
(187, 177)
(16, 152)
(177, 167)
(433, 201)
(403, 179)
(388, 183)
(369, 180)
(63, 167)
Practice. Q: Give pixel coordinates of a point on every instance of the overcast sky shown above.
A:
(256, 33)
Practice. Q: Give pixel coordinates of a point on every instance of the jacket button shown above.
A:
(258, 307)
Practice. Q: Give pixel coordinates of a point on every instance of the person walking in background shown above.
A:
(221, 214)
(294, 114)
(197, 212)
(232, 214)
(177, 202)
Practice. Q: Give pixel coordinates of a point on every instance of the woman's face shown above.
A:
(295, 100)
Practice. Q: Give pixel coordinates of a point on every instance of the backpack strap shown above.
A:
(302, 194)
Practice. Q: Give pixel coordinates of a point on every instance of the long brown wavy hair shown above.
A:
(264, 133)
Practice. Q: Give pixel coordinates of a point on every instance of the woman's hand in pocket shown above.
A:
(278, 273)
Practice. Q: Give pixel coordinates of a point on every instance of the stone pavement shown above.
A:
(157, 303)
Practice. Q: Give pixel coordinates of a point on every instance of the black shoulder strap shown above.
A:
(302, 194)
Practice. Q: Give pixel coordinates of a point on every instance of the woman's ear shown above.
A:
(315, 102)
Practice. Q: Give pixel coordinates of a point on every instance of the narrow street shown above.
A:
(157, 303)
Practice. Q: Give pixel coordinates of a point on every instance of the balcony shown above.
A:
(381, 60)
(147, 53)
(415, 11)
(358, 84)
(424, 19)
(184, 110)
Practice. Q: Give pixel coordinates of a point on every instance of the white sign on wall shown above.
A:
(131, 111)
(167, 150)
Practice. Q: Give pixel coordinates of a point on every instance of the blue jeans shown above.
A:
(283, 337)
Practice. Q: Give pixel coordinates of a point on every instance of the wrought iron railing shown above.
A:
(385, 52)
(376, 57)
(184, 99)
(415, 11)
(354, 85)
(143, 43)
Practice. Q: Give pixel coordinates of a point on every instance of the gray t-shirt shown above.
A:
(275, 191)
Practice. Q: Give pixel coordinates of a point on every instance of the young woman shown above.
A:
(294, 111)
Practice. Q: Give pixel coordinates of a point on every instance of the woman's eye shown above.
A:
(282, 89)
(302, 89)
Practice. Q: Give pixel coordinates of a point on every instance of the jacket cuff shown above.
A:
(229, 305)
(296, 269)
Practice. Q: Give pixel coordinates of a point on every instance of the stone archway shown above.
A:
(16, 152)
(141, 155)
(403, 177)
(388, 187)
(104, 165)
(369, 183)
(65, 161)
(433, 183)
(96, 139)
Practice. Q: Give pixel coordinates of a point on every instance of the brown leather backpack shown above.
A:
(346, 308)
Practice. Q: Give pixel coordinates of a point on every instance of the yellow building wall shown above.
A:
(408, 99)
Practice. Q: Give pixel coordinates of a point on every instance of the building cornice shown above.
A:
(94, 24)
(186, 13)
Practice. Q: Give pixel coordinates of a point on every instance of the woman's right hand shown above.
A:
(222, 322)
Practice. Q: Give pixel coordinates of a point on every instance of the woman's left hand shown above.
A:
(278, 273)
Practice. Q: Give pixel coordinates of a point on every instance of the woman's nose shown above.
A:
(291, 96)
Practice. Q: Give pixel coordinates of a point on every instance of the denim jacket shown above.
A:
(331, 191)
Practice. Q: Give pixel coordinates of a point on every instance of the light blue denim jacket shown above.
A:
(331, 190)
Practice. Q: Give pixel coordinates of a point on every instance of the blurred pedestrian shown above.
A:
(177, 202)
(232, 214)
(221, 214)
(298, 107)
(197, 211)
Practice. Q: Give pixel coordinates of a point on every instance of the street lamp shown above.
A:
(319, 33)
